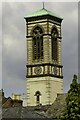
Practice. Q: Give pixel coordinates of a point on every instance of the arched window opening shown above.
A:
(54, 35)
(37, 43)
(37, 94)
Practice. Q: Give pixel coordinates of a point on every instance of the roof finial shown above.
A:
(43, 5)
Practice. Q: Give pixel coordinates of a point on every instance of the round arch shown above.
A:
(37, 93)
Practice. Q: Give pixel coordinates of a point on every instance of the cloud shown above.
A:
(0, 45)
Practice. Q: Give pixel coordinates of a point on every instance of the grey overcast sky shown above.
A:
(14, 42)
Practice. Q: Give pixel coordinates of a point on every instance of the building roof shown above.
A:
(58, 107)
(21, 112)
(42, 12)
(52, 111)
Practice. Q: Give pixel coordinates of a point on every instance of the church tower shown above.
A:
(44, 64)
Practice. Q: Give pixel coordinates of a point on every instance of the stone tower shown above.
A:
(44, 66)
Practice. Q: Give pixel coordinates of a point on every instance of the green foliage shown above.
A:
(72, 111)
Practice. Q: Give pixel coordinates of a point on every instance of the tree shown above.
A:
(72, 111)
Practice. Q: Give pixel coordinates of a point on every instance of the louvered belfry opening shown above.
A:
(37, 43)
(54, 35)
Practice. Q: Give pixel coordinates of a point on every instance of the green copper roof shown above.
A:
(42, 12)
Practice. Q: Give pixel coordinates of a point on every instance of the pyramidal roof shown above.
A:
(42, 12)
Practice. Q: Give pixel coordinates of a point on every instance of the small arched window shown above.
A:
(54, 36)
(38, 94)
(37, 43)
